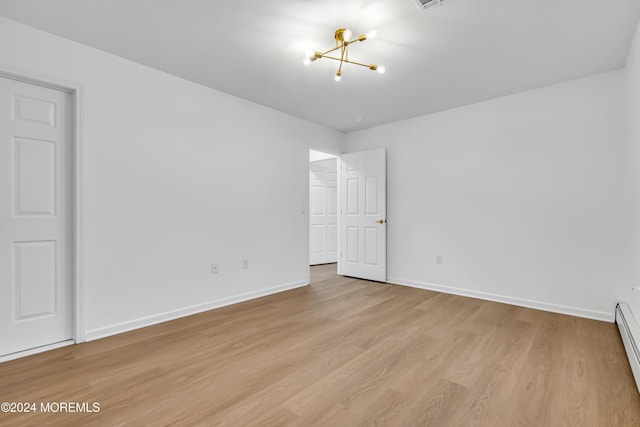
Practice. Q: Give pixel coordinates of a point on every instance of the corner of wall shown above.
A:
(633, 57)
(632, 71)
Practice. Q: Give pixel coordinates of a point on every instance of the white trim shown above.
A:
(142, 322)
(339, 189)
(629, 331)
(79, 214)
(77, 98)
(36, 350)
(538, 305)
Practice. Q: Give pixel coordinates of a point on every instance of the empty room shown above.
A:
(319, 213)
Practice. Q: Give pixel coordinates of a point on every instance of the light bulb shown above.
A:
(309, 53)
(306, 61)
(371, 34)
(381, 69)
(337, 77)
(347, 35)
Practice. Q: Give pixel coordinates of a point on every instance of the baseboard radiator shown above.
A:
(630, 333)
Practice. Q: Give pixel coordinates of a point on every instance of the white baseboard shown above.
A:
(629, 332)
(538, 305)
(142, 322)
(36, 350)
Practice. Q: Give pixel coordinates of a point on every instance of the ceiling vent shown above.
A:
(426, 4)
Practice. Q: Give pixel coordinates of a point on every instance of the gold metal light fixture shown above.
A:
(343, 40)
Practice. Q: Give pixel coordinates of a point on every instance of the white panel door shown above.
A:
(35, 216)
(364, 209)
(323, 215)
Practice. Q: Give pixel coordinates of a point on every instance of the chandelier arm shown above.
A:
(331, 50)
(344, 44)
(358, 63)
(347, 61)
(354, 40)
(341, 60)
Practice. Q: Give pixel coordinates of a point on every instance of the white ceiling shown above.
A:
(456, 54)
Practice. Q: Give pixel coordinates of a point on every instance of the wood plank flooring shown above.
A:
(340, 352)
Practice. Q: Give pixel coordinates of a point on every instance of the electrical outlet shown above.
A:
(438, 259)
(214, 268)
(245, 264)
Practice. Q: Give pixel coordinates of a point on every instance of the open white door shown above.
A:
(363, 215)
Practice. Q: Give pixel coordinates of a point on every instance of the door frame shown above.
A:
(338, 161)
(340, 189)
(338, 205)
(77, 272)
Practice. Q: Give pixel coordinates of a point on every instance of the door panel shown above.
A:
(371, 246)
(317, 200)
(34, 178)
(353, 244)
(317, 240)
(332, 245)
(353, 197)
(35, 216)
(371, 195)
(364, 215)
(34, 279)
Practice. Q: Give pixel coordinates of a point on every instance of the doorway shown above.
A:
(39, 307)
(347, 212)
(323, 208)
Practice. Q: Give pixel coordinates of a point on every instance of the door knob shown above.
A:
(381, 221)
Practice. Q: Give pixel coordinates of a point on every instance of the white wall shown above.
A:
(633, 83)
(525, 197)
(178, 176)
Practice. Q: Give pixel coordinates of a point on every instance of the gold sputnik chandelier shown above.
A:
(343, 40)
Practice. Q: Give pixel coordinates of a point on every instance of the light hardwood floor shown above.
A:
(341, 352)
